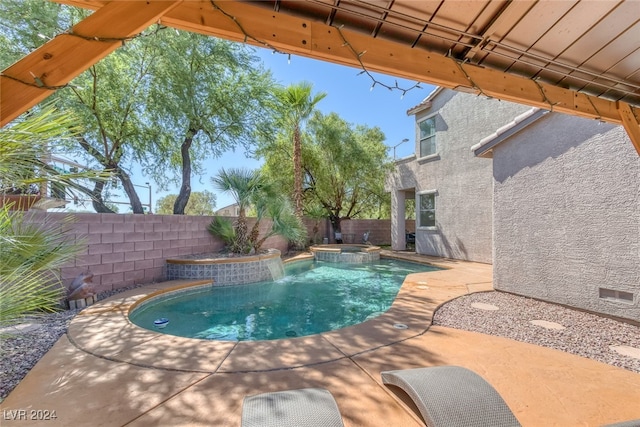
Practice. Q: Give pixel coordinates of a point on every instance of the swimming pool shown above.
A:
(313, 297)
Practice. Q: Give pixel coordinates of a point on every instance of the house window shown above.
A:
(427, 137)
(427, 214)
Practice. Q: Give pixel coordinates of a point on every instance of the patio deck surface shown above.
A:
(108, 372)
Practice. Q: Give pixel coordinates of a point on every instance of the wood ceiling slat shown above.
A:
(60, 60)
(354, 22)
(318, 9)
(628, 69)
(501, 23)
(536, 23)
(387, 5)
(485, 16)
(407, 19)
(440, 33)
(459, 15)
(625, 72)
(565, 33)
(422, 10)
(617, 52)
(530, 69)
(570, 28)
(619, 20)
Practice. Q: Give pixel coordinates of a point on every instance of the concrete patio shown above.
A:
(108, 372)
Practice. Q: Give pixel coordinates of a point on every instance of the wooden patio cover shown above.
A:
(579, 57)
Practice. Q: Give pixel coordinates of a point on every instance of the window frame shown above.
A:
(434, 194)
(432, 136)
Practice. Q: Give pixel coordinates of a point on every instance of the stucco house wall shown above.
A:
(566, 215)
(463, 182)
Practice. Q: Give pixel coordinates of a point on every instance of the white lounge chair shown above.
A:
(307, 407)
(452, 396)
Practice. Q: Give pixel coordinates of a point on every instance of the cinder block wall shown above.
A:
(126, 249)
(123, 250)
(567, 215)
(379, 230)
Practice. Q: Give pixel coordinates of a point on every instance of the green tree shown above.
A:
(200, 203)
(167, 100)
(344, 169)
(105, 99)
(208, 96)
(297, 104)
(242, 185)
(28, 24)
(108, 98)
(251, 189)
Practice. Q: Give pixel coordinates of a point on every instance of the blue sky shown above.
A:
(348, 94)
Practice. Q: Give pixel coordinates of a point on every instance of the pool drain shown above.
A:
(291, 334)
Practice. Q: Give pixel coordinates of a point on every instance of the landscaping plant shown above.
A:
(251, 190)
(31, 253)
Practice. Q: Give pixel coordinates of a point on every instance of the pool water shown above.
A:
(313, 297)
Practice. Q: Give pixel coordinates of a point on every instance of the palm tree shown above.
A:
(242, 184)
(250, 189)
(298, 105)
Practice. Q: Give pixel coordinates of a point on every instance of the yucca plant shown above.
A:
(30, 259)
(32, 254)
(223, 228)
(284, 221)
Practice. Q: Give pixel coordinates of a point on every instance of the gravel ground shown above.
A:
(585, 334)
(19, 352)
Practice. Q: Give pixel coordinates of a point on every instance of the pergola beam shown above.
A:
(240, 21)
(320, 41)
(57, 62)
(630, 123)
(244, 22)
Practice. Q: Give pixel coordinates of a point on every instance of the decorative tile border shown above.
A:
(228, 271)
(351, 254)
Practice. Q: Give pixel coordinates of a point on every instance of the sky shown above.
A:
(349, 94)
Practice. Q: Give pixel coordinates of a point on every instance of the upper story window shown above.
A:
(427, 209)
(427, 137)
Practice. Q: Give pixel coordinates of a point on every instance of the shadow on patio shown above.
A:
(108, 372)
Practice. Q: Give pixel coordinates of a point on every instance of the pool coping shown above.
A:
(104, 330)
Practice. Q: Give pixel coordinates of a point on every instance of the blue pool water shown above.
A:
(313, 297)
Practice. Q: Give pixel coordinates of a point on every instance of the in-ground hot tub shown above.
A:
(346, 253)
(228, 271)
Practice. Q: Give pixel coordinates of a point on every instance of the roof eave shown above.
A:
(485, 147)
